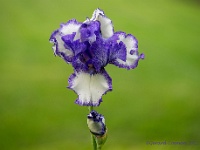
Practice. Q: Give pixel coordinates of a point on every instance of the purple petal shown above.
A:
(79, 63)
(68, 37)
(88, 31)
(99, 51)
(75, 46)
(117, 51)
(90, 88)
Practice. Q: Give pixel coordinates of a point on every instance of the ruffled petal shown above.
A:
(59, 47)
(90, 88)
(107, 29)
(132, 55)
(117, 50)
(69, 31)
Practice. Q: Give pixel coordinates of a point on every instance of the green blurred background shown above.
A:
(158, 101)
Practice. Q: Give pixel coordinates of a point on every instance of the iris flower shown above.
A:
(89, 46)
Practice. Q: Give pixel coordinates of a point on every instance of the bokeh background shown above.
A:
(158, 101)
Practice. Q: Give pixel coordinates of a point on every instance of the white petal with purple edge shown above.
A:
(58, 47)
(71, 27)
(132, 56)
(90, 88)
(106, 24)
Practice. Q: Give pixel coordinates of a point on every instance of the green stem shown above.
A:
(94, 143)
(90, 108)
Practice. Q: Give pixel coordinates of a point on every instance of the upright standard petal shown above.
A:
(90, 88)
(132, 55)
(107, 29)
(96, 14)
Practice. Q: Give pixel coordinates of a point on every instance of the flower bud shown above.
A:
(96, 125)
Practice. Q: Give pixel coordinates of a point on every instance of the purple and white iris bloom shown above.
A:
(89, 46)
